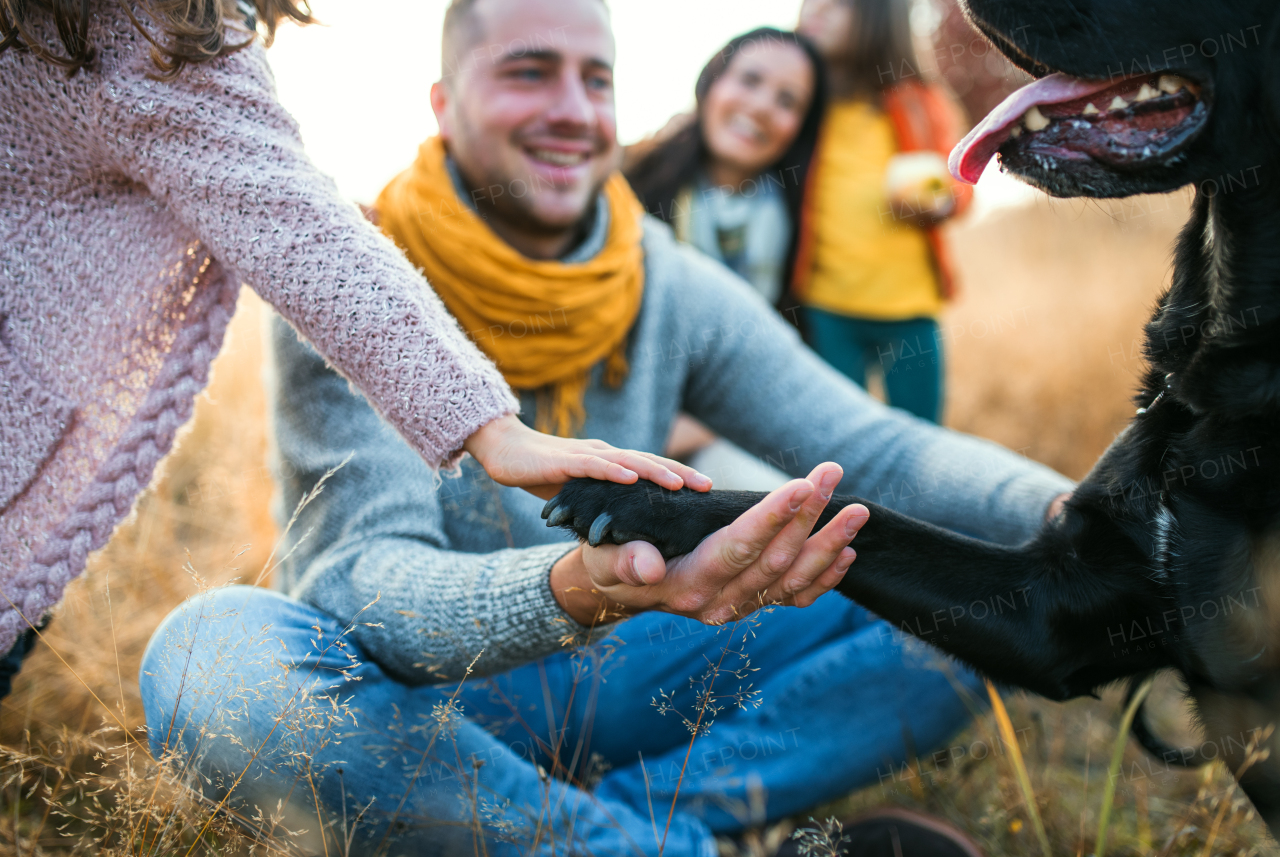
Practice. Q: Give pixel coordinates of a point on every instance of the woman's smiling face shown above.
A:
(752, 114)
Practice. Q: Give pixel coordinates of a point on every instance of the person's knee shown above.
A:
(199, 647)
(202, 621)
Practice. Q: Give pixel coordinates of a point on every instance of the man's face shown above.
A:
(528, 115)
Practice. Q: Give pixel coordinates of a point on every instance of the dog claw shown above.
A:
(598, 529)
(551, 506)
(560, 517)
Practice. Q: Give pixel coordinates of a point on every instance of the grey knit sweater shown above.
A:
(456, 565)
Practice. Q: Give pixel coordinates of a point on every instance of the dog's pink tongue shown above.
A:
(971, 156)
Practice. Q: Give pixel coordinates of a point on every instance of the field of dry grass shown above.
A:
(1043, 359)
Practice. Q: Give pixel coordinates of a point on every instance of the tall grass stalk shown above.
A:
(695, 731)
(1113, 770)
(1010, 738)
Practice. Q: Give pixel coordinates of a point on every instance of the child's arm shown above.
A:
(216, 148)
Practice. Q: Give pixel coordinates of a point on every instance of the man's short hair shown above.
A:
(462, 29)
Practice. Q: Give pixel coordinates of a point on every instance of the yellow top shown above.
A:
(865, 263)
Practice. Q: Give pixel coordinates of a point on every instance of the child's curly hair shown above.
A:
(194, 31)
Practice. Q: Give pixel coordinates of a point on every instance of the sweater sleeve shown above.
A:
(803, 413)
(217, 149)
(372, 547)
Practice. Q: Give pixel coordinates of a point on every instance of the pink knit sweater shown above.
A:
(131, 211)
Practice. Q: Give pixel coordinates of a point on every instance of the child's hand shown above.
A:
(514, 454)
(920, 188)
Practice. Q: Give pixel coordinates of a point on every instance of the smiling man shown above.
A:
(534, 157)
(413, 688)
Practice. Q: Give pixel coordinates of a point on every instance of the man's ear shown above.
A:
(441, 100)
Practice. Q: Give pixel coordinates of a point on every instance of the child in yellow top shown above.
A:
(866, 262)
(871, 270)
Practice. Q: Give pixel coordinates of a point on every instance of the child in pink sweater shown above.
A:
(146, 172)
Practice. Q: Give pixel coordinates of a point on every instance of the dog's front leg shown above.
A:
(1049, 616)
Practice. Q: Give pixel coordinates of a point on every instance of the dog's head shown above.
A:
(1131, 96)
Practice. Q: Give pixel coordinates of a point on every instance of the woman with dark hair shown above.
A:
(731, 179)
(871, 271)
(146, 172)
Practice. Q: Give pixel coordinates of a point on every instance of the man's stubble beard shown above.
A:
(520, 213)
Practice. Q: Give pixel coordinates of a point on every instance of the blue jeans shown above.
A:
(909, 354)
(579, 753)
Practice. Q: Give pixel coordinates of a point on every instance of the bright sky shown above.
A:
(358, 84)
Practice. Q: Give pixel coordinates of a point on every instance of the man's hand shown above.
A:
(765, 557)
(514, 454)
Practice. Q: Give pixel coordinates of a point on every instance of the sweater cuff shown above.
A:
(532, 623)
(481, 406)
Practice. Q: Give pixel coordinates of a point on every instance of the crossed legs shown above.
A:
(267, 702)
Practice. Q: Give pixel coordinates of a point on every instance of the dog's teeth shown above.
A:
(1015, 132)
(1035, 120)
(1117, 103)
(1146, 93)
(1171, 84)
(1090, 110)
(598, 528)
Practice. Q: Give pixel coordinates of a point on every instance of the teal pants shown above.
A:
(907, 353)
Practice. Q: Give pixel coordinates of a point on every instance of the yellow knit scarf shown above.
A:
(545, 324)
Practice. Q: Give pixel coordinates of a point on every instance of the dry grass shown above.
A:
(1043, 359)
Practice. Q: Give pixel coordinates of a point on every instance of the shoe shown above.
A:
(884, 832)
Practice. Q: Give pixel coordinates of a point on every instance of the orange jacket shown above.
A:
(924, 118)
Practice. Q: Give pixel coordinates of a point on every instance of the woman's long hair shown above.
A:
(880, 51)
(660, 175)
(192, 31)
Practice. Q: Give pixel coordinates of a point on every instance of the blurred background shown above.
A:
(358, 87)
(1044, 354)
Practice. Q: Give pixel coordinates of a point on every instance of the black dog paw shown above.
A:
(606, 513)
(675, 522)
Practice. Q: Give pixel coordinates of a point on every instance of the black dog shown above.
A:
(1168, 555)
